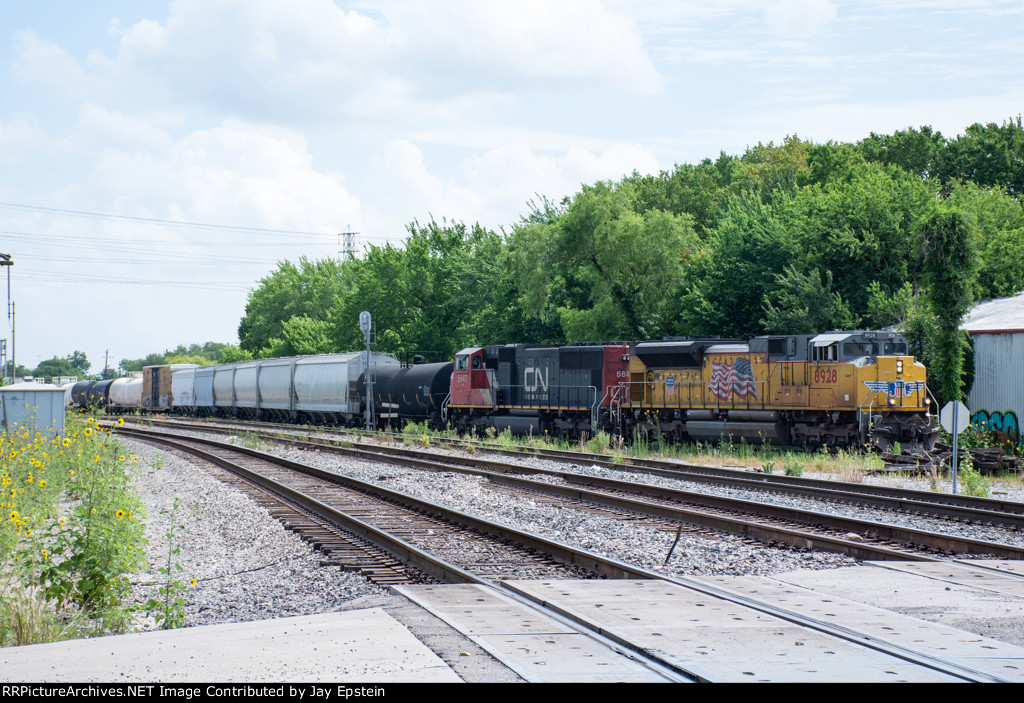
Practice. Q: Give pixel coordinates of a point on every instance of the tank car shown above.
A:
(81, 394)
(125, 395)
(409, 393)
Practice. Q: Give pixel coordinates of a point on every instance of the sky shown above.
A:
(157, 159)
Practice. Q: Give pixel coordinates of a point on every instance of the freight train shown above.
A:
(841, 389)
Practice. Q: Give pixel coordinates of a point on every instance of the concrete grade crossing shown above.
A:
(968, 614)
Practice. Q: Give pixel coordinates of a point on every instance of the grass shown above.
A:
(844, 465)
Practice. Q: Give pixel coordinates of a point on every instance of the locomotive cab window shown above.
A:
(895, 349)
(853, 350)
(477, 362)
(826, 353)
(461, 362)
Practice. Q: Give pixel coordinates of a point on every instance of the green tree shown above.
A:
(78, 360)
(804, 303)
(861, 228)
(21, 370)
(989, 155)
(998, 221)
(698, 190)
(949, 267)
(767, 168)
(230, 354)
(915, 151)
(729, 277)
(609, 270)
(307, 290)
(128, 365)
(55, 367)
(443, 290)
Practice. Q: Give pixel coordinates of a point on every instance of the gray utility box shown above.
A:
(34, 407)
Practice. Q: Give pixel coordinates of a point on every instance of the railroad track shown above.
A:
(674, 509)
(449, 574)
(436, 542)
(961, 508)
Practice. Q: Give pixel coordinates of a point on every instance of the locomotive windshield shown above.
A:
(852, 350)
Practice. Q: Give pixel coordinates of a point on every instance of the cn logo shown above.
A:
(535, 379)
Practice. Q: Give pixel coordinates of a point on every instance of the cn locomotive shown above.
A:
(853, 389)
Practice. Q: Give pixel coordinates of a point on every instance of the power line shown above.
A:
(157, 221)
(65, 238)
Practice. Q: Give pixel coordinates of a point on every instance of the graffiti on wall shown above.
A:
(1003, 424)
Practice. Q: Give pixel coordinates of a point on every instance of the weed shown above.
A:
(973, 483)
(27, 618)
(768, 467)
(599, 444)
(169, 609)
(416, 433)
(850, 473)
(793, 467)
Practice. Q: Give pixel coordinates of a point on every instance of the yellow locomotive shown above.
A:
(840, 389)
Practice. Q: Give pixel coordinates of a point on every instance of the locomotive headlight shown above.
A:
(899, 366)
(892, 401)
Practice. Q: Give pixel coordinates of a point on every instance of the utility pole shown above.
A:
(346, 243)
(6, 260)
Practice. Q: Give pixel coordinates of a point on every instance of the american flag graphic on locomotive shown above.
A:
(727, 379)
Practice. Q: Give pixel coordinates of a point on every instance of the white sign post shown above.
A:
(954, 419)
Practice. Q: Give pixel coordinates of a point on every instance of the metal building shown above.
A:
(996, 399)
(34, 407)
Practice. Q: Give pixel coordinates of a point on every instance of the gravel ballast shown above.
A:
(246, 565)
(249, 567)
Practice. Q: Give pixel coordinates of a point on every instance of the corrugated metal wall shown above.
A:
(998, 389)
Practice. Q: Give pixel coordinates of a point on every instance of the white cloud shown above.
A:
(492, 187)
(799, 19)
(115, 130)
(45, 65)
(309, 59)
(18, 136)
(270, 56)
(530, 42)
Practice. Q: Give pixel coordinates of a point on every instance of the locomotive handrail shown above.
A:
(594, 411)
(934, 415)
(444, 407)
(870, 396)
